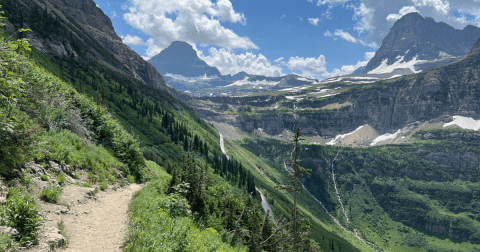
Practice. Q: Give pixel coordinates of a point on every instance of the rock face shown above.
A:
(453, 89)
(85, 32)
(180, 58)
(414, 37)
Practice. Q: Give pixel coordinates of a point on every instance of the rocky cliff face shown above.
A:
(82, 29)
(387, 106)
(422, 42)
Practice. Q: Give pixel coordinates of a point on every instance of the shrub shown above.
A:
(103, 186)
(51, 194)
(7, 243)
(61, 179)
(92, 177)
(76, 176)
(22, 213)
(87, 185)
(111, 180)
(44, 177)
(131, 179)
(176, 205)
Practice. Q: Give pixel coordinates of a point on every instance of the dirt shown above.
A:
(93, 222)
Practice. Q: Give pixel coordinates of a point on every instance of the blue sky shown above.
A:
(313, 38)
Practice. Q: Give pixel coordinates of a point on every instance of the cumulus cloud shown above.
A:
(190, 21)
(370, 15)
(278, 60)
(132, 40)
(314, 21)
(316, 67)
(403, 11)
(339, 33)
(228, 62)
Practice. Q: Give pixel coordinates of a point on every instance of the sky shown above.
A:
(313, 38)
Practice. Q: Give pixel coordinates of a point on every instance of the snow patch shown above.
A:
(245, 81)
(464, 123)
(334, 141)
(395, 76)
(400, 63)
(385, 137)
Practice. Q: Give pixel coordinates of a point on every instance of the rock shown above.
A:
(37, 169)
(54, 167)
(8, 231)
(67, 169)
(55, 239)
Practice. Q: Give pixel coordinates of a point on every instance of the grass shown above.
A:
(153, 228)
(51, 194)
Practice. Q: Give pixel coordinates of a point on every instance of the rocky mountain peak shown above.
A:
(180, 58)
(417, 43)
(87, 12)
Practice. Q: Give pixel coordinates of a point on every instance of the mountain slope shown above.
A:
(419, 43)
(79, 30)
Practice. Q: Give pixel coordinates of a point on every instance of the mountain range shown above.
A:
(392, 148)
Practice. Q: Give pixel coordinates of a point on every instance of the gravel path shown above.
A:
(100, 225)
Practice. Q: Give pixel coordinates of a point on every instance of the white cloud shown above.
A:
(402, 12)
(439, 5)
(132, 40)
(278, 60)
(283, 16)
(314, 21)
(363, 17)
(114, 14)
(152, 48)
(316, 67)
(339, 33)
(187, 20)
(228, 62)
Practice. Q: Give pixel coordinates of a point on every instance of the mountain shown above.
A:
(181, 59)
(185, 71)
(394, 161)
(417, 43)
(79, 30)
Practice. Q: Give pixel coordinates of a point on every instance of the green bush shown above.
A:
(103, 186)
(22, 213)
(131, 179)
(61, 179)
(44, 177)
(92, 177)
(7, 243)
(176, 205)
(51, 194)
(111, 180)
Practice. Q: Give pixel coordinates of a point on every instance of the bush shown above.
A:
(61, 179)
(92, 177)
(7, 243)
(103, 186)
(131, 179)
(51, 194)
(111, 180)
(22, 213)
(176, 205)
(44, 177)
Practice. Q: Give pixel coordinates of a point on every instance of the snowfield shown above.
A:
(334, 141)
(385, 68)
(385, 137)
(464, 123)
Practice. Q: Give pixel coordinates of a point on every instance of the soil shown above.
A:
(93, 222)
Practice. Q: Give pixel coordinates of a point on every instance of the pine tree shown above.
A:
(295, 186)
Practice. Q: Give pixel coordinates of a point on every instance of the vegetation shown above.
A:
(22, 213)
(51, 194)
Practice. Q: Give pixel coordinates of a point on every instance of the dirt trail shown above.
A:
(100, 224)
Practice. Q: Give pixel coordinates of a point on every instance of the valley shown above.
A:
(392, 147)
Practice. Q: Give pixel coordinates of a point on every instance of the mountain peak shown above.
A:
(418, 43)
(180, 58)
